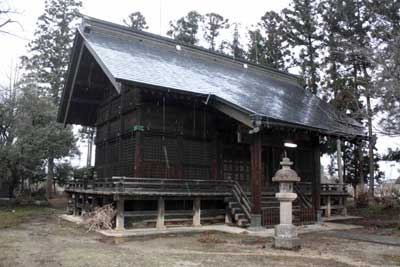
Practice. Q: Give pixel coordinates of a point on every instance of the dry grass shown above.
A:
(209, 238)
(15, 215)
(100, 218)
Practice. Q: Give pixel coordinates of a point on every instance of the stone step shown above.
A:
(239, 216)
(243, 222)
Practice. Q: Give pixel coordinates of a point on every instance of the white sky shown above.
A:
(158, 13)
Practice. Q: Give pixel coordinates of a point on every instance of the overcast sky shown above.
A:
(158, 13)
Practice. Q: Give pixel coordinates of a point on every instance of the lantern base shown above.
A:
(286, 237)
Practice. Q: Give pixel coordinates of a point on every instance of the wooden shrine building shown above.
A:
(186, 135)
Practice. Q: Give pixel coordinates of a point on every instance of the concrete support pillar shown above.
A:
(344, 210)
(328, 206)
(84, 204)
(196, 212)
(120, 218)
(75, 211)
(161, 214)
(339, 160)
(228, 217)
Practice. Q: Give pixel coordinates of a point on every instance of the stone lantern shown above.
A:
(285, 232)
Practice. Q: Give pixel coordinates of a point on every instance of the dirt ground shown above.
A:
(43, 239)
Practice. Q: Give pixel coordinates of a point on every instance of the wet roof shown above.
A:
(154, 60)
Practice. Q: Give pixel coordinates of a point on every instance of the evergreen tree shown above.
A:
(256, 47)
(235, 46)
(185, 29)
(276, 48)
(303, 32)
(386, 31)
(214, 23)
(393, 154)
(136, 21)
(335, 79)
(45, 68)
(356, 28)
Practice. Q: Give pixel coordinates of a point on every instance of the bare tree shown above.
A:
(6, 15)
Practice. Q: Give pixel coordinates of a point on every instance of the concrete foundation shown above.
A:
(255, 221)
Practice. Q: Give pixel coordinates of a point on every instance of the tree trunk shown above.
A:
(361, 167)
(370, 136)
(370, 151)
(50, 178)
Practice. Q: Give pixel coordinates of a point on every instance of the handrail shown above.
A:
(241, 198)
(131, 184)
(334, 187)
(121, 184)
(304, 200)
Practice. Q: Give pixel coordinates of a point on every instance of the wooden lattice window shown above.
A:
(197, 152)
(115, 127)
(237, 170)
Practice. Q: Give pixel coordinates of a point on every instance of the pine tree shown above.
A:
(276, 47)
(214, 23)
(303, 32)
(45, 68)
(136, 21)
(185, 29)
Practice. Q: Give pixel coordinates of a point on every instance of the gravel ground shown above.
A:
(45, 240)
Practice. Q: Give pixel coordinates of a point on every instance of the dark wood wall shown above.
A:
(154, 133)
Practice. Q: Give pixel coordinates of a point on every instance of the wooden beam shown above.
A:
(256, 173)
(86, 101)
(233, 113)
(316, 185)
(139, 138)
(71, 92)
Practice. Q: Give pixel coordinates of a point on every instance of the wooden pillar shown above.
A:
(138, 137)
(120, 218)
(179, 170)
(316, 185)
(95, 201)
(161, 214)
(214, 162)
(196, 212)
(256, 173)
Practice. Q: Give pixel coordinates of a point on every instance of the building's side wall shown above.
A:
(174, 135)
(151, 133)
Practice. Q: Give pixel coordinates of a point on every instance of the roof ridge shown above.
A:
(196, 48)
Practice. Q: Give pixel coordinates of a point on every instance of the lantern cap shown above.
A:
(286, 174)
